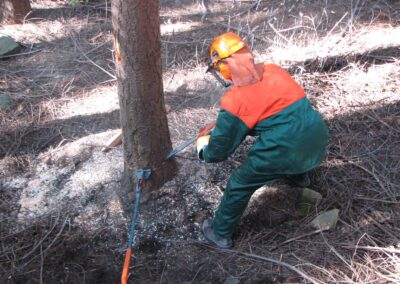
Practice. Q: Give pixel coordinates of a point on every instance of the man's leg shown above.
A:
(243, 182)
(233, 203)
(241, 186)
(230, 210)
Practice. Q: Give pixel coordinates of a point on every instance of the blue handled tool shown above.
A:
(141, 176)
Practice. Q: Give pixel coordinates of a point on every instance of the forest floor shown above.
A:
(61, 214)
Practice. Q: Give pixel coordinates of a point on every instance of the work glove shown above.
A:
(201, 143)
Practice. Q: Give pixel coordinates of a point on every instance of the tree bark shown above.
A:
(136, 26)
(14, 11)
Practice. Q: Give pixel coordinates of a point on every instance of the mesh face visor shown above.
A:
(211, 69)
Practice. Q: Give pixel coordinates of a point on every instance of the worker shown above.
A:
(264, 100)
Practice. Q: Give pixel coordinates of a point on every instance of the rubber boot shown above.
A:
(301, 180)
(306, 202)
(220, 242)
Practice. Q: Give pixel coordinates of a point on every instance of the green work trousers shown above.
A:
(234, 202)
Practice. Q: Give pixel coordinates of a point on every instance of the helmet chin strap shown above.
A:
(213, 72)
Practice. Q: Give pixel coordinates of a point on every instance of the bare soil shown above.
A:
(61, 202)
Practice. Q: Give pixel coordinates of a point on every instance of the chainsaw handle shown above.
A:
(206, 130)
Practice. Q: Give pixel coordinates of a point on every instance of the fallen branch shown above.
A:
(387, 250)
(278, 33)
(358, 197)
(299, 237)
(254, 256)
(20, 54)
(113, 142)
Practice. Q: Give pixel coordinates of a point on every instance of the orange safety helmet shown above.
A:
(222, 47)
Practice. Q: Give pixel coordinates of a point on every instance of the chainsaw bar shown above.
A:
(205, 131)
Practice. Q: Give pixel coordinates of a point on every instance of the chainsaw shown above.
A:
(205, 131)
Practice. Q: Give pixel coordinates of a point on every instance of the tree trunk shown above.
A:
(144, 122)
(14, 11)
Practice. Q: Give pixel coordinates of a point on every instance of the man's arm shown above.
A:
(228, 133)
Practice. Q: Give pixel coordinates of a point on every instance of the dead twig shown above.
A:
(20, 54)
(41, 264)
(337, 23)
(278, 33)
(374, 117)
(77, 45)
(382, 228)
(286, 265)
(52, 242)
(194, 277)
(378, 249)
(298, 237)
(39, 244)
(366, 170)
(375, 199)
(239, 30)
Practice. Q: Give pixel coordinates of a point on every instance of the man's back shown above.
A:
(256, 102)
